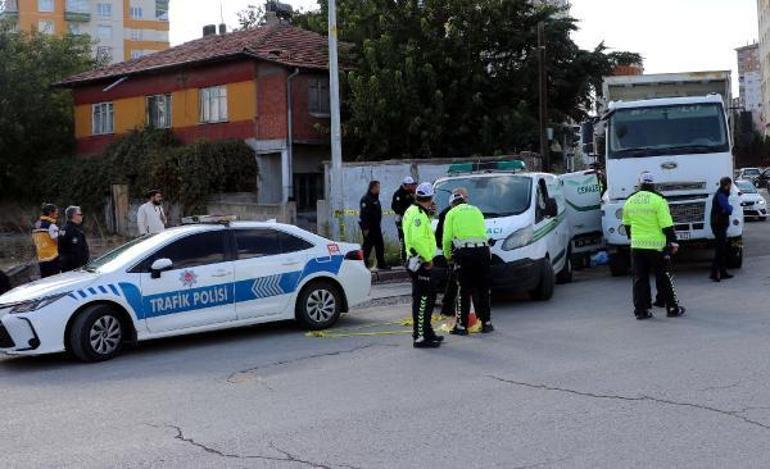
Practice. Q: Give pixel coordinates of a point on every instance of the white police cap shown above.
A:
(424, 190)
(408, 180)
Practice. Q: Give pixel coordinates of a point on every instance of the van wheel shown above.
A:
(565, 274)
(620, 264)
(97, 334)
(544, 290)
(319, 305)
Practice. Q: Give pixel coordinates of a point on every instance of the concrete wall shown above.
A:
(355, 181)
(246, 207)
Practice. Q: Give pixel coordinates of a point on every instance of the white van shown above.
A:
(526, 223)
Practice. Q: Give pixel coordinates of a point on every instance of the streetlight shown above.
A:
(336, 132)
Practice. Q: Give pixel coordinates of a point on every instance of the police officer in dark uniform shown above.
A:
(449, 301)
(403, 198)
(73, 246)
(371, 224)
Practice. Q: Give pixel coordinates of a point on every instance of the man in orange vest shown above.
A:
(45, 235)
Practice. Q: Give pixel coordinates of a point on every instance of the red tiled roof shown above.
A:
(279, 43)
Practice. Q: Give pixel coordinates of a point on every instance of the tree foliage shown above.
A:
(36, 120)
(455, 78)
(146, 159)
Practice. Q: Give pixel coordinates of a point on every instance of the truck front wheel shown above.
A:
(735, 254)
(620, 263)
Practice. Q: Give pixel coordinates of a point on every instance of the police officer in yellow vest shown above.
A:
(45, 235)
(465, 241)
(420, 245)
(648, 223)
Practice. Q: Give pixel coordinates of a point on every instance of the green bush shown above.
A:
(147, 159)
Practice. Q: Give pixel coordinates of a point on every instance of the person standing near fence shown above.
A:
(370, 222)
(403, 198)
(45, 235)
(151, 219)
(73, 246)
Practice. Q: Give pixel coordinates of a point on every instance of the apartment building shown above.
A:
(750, 82)
(120, 29)
(763, 13)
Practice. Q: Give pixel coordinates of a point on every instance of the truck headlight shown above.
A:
(37, 303)
(518, 239)
(619, 214)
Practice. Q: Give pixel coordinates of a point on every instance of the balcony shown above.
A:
(9, 10)
(76, 11)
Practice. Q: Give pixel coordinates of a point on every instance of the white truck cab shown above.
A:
(525, 217)
(685, 143)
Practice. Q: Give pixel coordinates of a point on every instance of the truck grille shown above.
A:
(680, 186)
(5, 338)
(688, 213)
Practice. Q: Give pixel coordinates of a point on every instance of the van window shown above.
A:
(542, 196)
(496, 196)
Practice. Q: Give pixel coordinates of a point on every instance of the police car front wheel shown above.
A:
(318, 305)
(97, 334)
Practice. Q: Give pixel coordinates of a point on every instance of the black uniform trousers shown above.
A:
(401, 244)
(449, 300)
(373, 239)
(645, 262)
(50, 268)
(718, 265)
(423, 302)
(473, 277)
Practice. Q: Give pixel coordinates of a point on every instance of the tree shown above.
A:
(432, 78)
(36, 120)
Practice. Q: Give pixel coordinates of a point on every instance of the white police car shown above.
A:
(189, 279)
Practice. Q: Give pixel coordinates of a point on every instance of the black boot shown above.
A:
(487, 327)
(676, 312)
(459, 331)
(725, 275)
(642, 315)
(426, 343)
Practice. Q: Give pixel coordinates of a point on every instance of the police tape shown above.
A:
(441, 323)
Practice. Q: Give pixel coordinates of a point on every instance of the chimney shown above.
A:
(209, 30)
(222, 28)
(271, 18)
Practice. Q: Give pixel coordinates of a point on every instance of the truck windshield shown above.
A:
(495, 196)
(668, 130)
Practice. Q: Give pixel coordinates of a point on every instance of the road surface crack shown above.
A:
(736, 414)
(251, 373)
(286, 456)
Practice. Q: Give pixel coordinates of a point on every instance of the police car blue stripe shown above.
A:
(72, 295)
(191, 299)
(92, 291)
(102, 289)
(82, 293)
(114, 290)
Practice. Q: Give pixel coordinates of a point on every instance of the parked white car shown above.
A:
(189, 279)
(754, 205)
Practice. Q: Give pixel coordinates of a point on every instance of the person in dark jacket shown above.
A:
(449, 300)
(73, 246)
(403, 198)
(371, 225)
(721, 210)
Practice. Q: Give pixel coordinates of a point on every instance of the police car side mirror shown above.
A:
(160, 265)
(551, 208)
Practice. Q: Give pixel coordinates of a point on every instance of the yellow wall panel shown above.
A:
(83, 121)
(184, 108)
(241, 101)
(129, 114)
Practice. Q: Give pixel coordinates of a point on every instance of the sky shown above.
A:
(671, 35)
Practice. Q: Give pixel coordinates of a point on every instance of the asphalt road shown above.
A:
(575, 382)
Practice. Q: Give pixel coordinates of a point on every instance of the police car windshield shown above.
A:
(100, 262)
(496, 196)
(668, 130)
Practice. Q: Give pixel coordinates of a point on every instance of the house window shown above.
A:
(161, 10)
(135, 12)
(45, 6)
(213, 104)
(136, 34)
(104, 32)
(102, 122)
(135, 54)
(104, 53)
(76, 6)
(159, 111)
(74, 28)
(104, 9)
(318, 100)
(45, 27)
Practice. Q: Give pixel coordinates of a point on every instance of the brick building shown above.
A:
(223, 86)
(750, 82)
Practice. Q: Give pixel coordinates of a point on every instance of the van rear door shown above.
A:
(583, 194)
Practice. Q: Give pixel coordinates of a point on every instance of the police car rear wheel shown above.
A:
(97, 334)
(318, 305)
(565, 274)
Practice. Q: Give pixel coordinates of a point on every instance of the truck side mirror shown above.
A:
(160, 265)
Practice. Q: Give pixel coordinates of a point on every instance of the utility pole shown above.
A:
(543, 91)
(336, 132)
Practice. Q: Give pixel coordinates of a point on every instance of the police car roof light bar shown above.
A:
(209, 219)
(514, 166)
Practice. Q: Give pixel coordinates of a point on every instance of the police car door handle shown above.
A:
(220, 274)
(288, 263)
